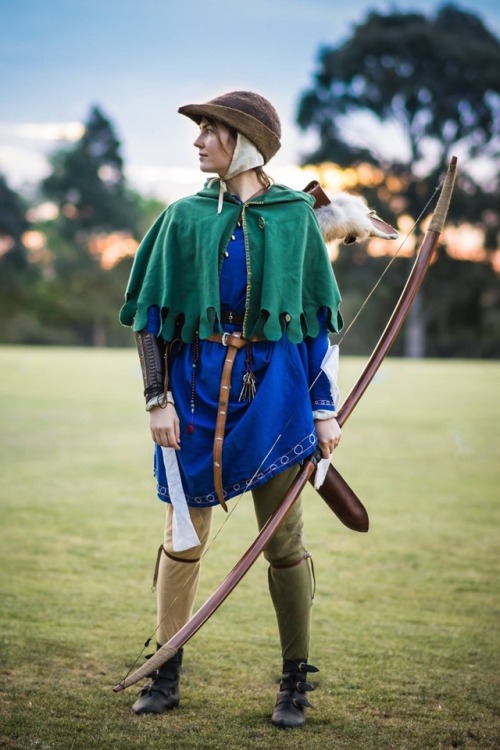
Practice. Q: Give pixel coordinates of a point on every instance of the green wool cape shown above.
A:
(289, 274)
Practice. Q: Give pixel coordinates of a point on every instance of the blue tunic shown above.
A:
(263, 436)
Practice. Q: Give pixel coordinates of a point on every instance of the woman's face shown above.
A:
(215, 147)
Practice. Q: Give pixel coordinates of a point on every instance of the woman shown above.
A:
(242, 262)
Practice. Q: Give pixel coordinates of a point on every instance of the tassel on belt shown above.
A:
(233, 342)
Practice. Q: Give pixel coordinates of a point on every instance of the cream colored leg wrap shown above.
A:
(291, 587)
(178, 575)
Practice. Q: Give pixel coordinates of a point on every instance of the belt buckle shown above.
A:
(225, 337)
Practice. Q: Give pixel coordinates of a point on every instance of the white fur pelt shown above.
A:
(348, 217)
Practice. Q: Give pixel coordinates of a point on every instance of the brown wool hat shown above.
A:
(248, 113)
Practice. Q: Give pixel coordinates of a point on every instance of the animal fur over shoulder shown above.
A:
(348, 217)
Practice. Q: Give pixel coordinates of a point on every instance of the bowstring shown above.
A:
(237, 498)
(391, 261)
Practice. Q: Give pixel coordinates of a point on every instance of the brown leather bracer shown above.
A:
(152, 351)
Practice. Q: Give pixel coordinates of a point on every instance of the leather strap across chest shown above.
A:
(233, 341)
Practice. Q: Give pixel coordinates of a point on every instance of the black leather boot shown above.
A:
(291, 703)
(162, 693)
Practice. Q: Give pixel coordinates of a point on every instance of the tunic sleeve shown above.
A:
(314, 349)
(153, 324)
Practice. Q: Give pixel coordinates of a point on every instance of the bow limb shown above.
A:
(228, 584)
(405, 301)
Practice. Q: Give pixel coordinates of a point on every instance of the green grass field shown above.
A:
(406, 617)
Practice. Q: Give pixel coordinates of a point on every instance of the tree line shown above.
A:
(67, 259)
(435, 80)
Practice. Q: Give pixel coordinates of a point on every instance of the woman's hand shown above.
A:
(164, 425)
(329, 433)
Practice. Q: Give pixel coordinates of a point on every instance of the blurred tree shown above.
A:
(17, 275)
(148, 209)
(431, 85)
(88, 184)
(89, 187)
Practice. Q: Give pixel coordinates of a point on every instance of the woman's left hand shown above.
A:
(329, 433)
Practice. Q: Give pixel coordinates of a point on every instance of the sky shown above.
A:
(139, 60)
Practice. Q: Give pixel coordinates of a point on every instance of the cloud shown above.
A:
(43, 131)
(22, 165)
(23, 160)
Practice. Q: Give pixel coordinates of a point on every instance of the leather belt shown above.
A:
(233, 341)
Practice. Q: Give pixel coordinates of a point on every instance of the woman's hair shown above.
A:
(263, 177)
(233, 133)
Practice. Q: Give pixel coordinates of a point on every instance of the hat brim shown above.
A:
(264, 139)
